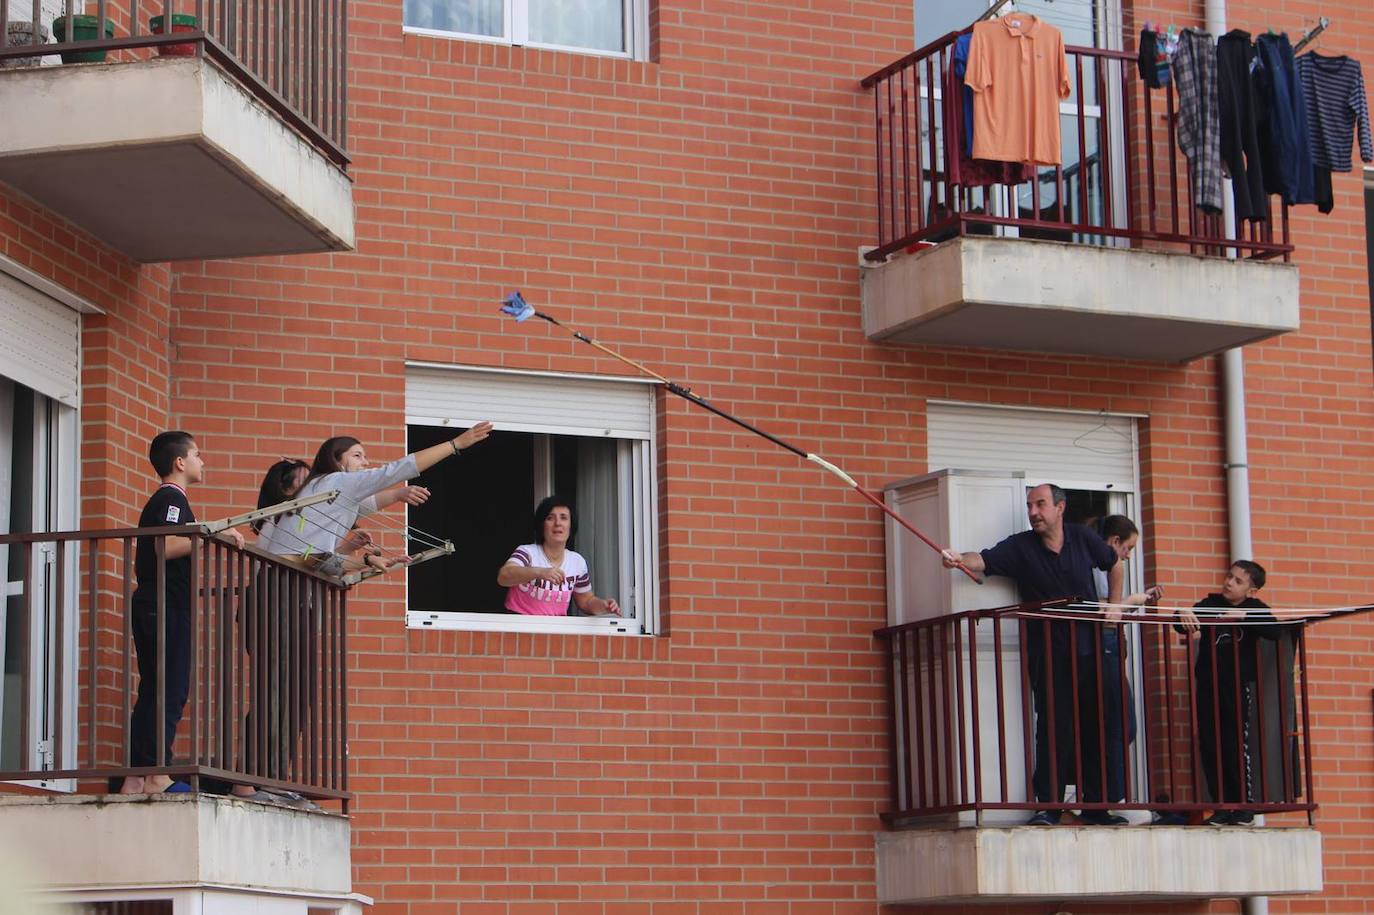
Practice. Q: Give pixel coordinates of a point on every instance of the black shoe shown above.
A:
(1101, 818)
(1222, 818)
(1045, 818)
(1170, 819)
(1242, 818)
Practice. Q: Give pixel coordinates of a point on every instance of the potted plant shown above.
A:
(84, 28)
(19, 33)
(181, 22)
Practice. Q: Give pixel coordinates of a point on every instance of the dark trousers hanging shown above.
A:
(1236, 106)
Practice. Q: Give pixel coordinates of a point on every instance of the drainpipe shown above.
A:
(1233, 375)
(1233, 405)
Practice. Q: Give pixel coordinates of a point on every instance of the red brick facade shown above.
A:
(703, 212)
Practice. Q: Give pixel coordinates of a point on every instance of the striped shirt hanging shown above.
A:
(1333, 88)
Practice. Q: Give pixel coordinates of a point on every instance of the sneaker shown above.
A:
(1242, 818)
(291, 799)
(1045, 818)
(1170, 819)
(1222, 818)
(1101, 818)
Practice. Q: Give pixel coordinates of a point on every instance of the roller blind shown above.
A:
(1048, 446)
(41, 343)
(529, 402)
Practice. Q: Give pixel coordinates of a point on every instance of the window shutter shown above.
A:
(529, 401)
(41, 345)
(1048, 446)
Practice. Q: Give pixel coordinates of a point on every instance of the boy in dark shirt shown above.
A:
(177, 461)
(1222, 724)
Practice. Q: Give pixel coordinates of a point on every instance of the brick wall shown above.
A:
(125, 353)
(703, 213)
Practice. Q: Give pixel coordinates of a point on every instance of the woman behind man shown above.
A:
(1121, 534)
(544, 577)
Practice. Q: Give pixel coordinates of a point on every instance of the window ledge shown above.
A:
(503, 622)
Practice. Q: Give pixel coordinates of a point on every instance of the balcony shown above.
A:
(963, 721)
(266, 709)
(1105, 255)
(223, 139)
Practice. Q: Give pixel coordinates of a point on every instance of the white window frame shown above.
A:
(1109, 37)
(515, 31)
(56, 442)
(55, 455)
(636, 463)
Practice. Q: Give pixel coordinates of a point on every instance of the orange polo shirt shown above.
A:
(1018, 73)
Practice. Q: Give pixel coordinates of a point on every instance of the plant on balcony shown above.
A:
(181, 22)
(84, 28)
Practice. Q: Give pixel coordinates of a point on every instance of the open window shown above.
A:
(589, 439)
(40, 393)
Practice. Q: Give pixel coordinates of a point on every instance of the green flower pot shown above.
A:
(84, 28)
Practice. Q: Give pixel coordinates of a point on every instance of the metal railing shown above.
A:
(291, 54)
(266, 699)
(1013, 710)
(1124, 180)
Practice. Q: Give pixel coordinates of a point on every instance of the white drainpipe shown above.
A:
(1233, 405)
(1233, 376)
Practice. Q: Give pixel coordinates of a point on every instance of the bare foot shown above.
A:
(156, 784)
(133, 784)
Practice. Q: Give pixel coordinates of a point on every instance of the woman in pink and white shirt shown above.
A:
(543, 577)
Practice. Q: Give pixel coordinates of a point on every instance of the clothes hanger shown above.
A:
(1313, 33)
(1114, 441)
(993, 10)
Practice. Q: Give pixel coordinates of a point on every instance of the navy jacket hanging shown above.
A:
(1284, 146)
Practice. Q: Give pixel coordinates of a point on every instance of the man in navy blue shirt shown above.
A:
(1052, 561)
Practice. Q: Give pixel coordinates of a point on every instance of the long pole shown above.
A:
(516, 306)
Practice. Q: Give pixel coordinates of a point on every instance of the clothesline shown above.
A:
(291, 526)
(1160, 615)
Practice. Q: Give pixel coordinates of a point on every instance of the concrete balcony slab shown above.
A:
(169, 159)
(1124, 863)
(1058, 297)
(106, 843)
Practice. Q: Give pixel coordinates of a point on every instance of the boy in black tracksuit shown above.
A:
(177, 462)
(1222, 723)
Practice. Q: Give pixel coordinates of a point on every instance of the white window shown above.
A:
(614, 27)
(1092, 23)
(588, 439)
(40, 388)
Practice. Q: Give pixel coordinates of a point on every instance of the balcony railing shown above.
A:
(293, 56)
(268, 677)
(963, 719)
(1123, 180)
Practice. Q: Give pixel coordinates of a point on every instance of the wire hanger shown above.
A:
(1309, 34)
(992, 10)
(1115, 441)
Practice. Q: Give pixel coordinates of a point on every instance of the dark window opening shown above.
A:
(484, 500)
